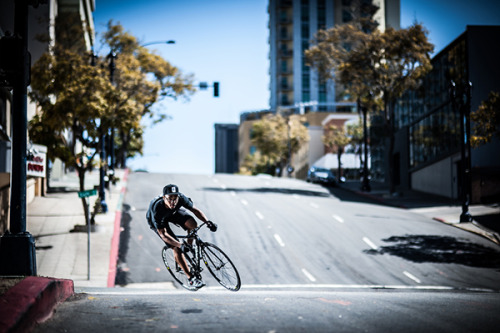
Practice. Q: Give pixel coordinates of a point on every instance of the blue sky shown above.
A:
(227, 41)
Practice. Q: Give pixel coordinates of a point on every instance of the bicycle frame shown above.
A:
(194, 260)
(218, 263)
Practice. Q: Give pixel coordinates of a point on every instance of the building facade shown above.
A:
(294, 87)
(226, 148)
(428, 139)
(292, 26)
(45, 23)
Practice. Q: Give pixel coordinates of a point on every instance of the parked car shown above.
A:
(321, 175)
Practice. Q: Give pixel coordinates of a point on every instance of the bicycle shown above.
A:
(217, 262)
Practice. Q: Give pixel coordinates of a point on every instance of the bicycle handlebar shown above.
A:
(195, 230)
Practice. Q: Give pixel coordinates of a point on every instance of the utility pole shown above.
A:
(17, 247)
(463, 95)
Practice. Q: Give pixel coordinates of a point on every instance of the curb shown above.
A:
(115, 240)
(32, 301)
(475, 228)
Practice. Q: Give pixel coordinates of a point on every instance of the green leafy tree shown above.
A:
(78, 103)
(376, 67)
(335, 140)
(72, 97)
(486, 120)
(141, 79)
(277, 138)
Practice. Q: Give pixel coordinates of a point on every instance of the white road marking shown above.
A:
(314, 205)
(259, 215)
(370, 243)
(413, 277)
(308, 275)
(222, 186)
(279, 240)
(296, 196)
(243, 201)
(248, 288)
(233, 193)
(338, 218)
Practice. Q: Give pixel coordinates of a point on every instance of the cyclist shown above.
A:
(172, 207)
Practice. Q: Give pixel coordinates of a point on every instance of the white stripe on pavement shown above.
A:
(370, 243)
(413, 277)
(259, 215)
(338, 218)
(279, 240)
(308, 275)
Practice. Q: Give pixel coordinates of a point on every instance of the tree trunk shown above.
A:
(122, 154)
(340, 151)
(389, 121)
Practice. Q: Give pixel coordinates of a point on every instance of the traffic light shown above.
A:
(216, 89)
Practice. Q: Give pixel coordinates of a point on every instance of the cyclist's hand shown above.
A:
(212, 226)
(185, 247)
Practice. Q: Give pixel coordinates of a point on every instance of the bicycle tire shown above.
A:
(175, 270)
(221, 267)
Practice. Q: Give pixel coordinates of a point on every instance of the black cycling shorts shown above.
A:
(179, 218)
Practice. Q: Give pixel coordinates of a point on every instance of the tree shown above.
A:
(141, 79)
(79, 104)
(72, 96)
(376, 67)
(355, 133)
(277, 138)
(486, 120)
(335, 140)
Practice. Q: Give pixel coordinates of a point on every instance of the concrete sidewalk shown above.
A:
(57, 222)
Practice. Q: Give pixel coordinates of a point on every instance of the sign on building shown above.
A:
(37, 161)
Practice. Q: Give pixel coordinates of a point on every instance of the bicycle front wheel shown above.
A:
(175, 270)
(221, 267)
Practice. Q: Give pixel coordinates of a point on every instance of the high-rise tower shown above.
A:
(293, 24)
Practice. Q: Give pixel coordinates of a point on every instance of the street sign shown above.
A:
(87, 193)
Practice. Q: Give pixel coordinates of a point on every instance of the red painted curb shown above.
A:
(115, 239)
(113, 256)
(32, 301)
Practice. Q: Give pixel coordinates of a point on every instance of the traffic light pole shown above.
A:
(17, 247)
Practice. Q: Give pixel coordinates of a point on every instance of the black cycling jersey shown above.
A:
(158, 215)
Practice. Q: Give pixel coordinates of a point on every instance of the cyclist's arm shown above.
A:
(198, 213)
(168, 238)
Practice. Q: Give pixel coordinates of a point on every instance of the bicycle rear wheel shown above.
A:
(221, 267)
(175, 270)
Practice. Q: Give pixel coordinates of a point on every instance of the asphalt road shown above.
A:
(276, 311)
(309, 262)
(289, 232)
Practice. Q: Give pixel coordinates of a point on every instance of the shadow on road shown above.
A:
(122, 275)
(269, 190)
(439, 249)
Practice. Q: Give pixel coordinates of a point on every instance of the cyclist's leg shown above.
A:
(184, 220)
(178, 255)
(181, 260)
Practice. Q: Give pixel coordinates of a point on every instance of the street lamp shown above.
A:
(159, 42)
(463, 105)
